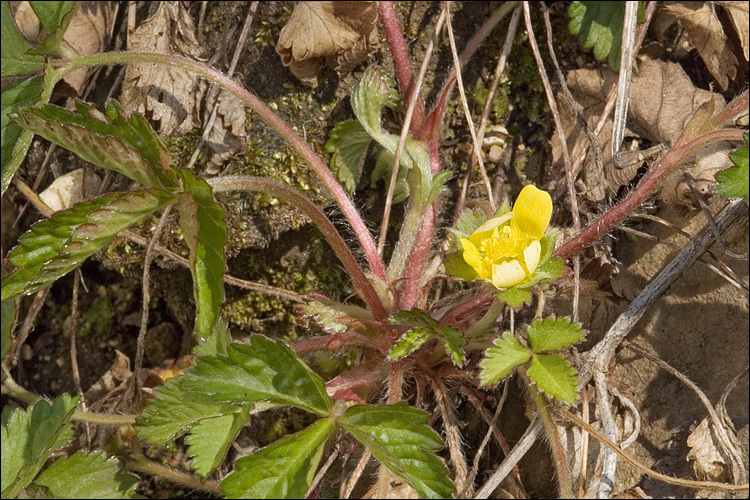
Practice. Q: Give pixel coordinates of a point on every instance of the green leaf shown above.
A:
(24, 93)
(599, 25)
(216, 343)
(468, 222)
(552, 334)
(382, 170)
(29, 437)
(88, 475)
(202, 222)
(554, 375)
(54, 18)
(210, 438)
(514, 297)
(284, 469)
(438, 183)
(127, 146)
(56, 246)
(262, 370)
(733, 181)
(500, 361)
(348, 142)
(426, 328)
(398, 437)
(15, 58)
(456, 266)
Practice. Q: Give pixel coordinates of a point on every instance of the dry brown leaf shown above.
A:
(228, 133)
(707, 36)
(711, 463)
(342, 33)
(86, 33)
(165, 94)
(738, 12)
(69, 189)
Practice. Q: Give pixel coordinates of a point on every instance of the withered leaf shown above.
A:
(228, 133)
(165, 94)
(342, 33)
(707, 36)
(739, 13)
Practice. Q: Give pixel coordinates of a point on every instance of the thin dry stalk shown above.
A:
(464, 487)
(584, 443)
(491, 429)
(413, 99)
(467, 113)
(322, 472)
(348, 486)
(73, 349)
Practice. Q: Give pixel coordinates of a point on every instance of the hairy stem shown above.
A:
(325, 175)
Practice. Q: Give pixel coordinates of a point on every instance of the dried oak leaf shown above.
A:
(707, 36)
(711, 462)
(738, 12)
(86, 33)
(342, 33)
(165, 94)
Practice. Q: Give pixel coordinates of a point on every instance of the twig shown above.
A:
(348, 486)
(490, 431)
(626, 69)
(464, 487)
(467, 112)
(73, 348)
(322, 472)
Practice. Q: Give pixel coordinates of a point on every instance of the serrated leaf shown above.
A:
(210, 438)
(398, 437)
(555, 376)
(348, 142)
(24, 93)
(552, 334)
(262, 370)
(28, 437)
(56, 246)
(88, 475)
(599, 26)
(175, 410)
(127, 146)
(514, 297)
(733, 181)
(409, 342)
(499, 361)
(202, 223)
(15, 59)
(438, 184)
(54, 18)
(284, 469)
(216, 343)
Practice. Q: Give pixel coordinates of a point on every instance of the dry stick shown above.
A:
(499, 69)
(738, 467)
(569, 179)
(235, 59)
(492, 426)
(348, 486)
(623, 81)
(533, 432)
(322, 472)
(74, 349)
(584, 443)
(689, 483)
(28, 324)
(139, 462)
(453, 437)
(413, 99)
(595, 362)
(467, 113)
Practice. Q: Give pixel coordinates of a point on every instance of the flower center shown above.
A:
(506, 242)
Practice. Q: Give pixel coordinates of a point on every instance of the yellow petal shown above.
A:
(493, 223)
(533, 209)
(507, 274)
(531, 256)
(474, 258)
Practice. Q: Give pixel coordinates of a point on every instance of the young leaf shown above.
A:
(599, 25)
(56, 246)
(468, 222)
(29, 437)
(284, 469)
(500, 361)
(733, 181)
(554, 375)
(552, 334)
(348, 142)
(438, 183)
(127, 146)
(87, 475)
(202, 222)
(332, 317)
(426, 328)
(409, 342)
(24, 93)
(262, 370)
(382, 170)
(514, 297)
(398, 437)
(15, 59)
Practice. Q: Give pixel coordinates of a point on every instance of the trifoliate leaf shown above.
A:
(88, 475)
(348, 142)
(29, 437)
(499, 361)
(514, 297)
(262, 370)
(733, 181)
(284, 469)
(426, 328)
(398, 437)
(202, 223)
(554, 375)
(552, 334)
(56, 246)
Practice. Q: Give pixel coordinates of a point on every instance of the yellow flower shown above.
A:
(506, 250)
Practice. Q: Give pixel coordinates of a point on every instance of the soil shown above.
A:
(699, 327)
